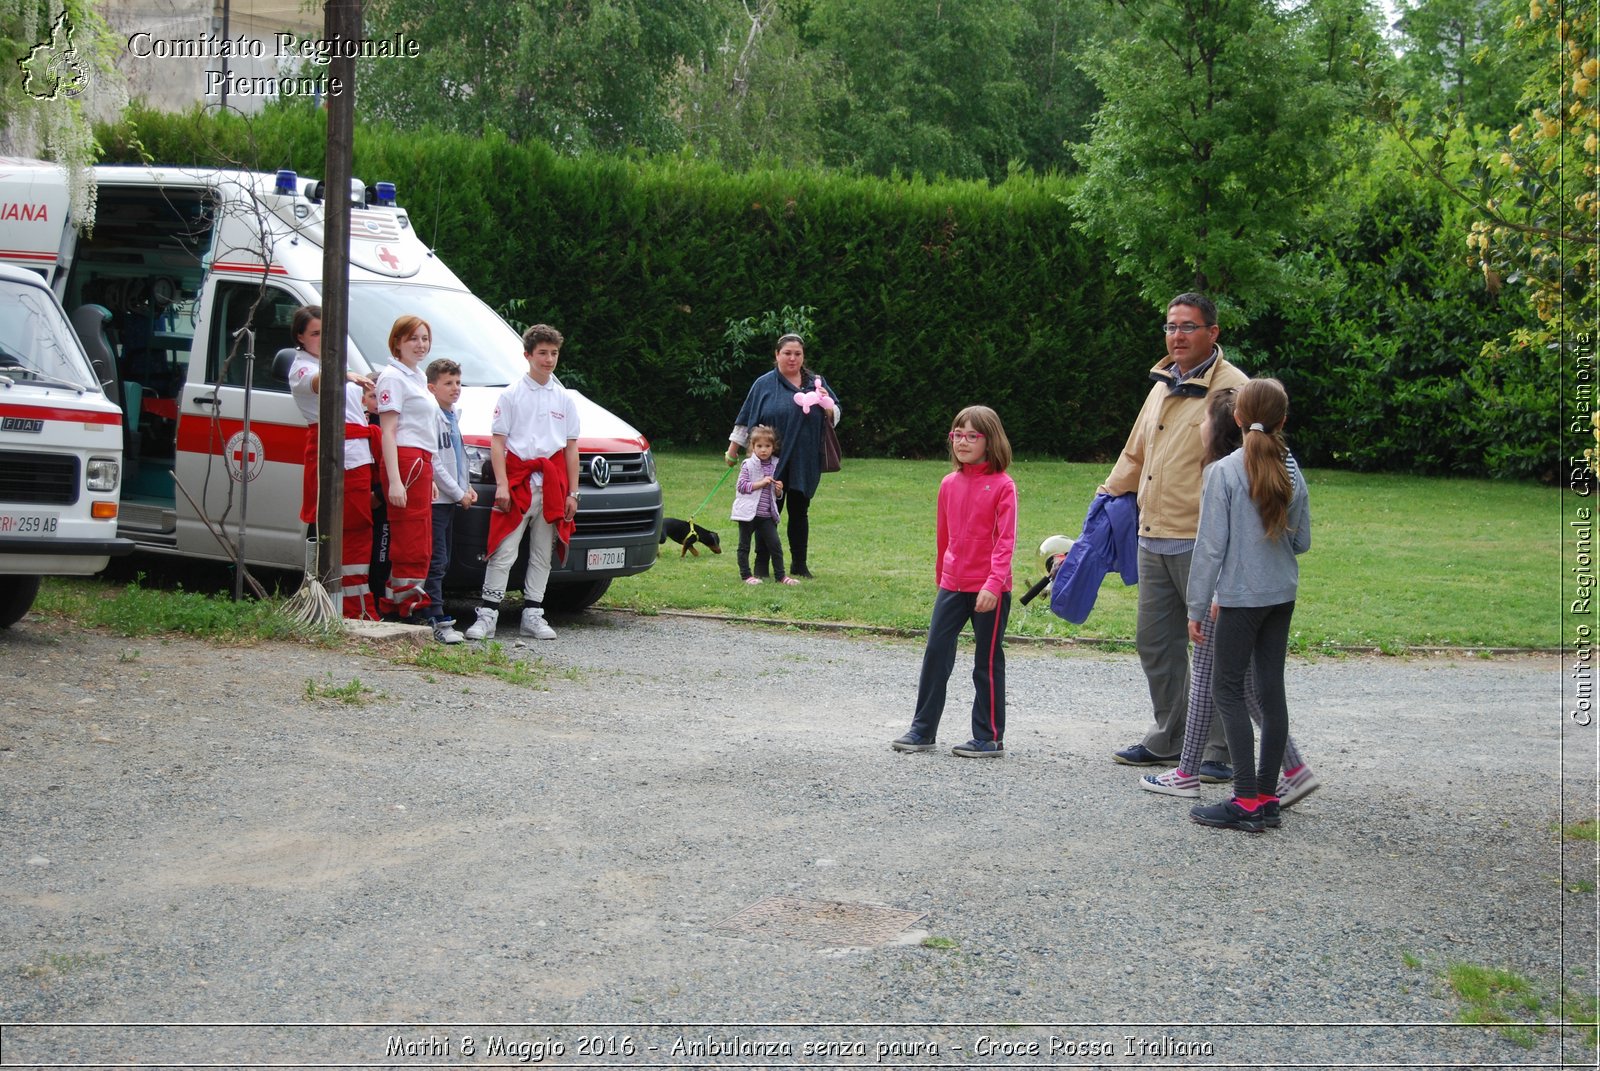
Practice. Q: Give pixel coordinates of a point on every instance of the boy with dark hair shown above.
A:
(452, 490)
(534, 451)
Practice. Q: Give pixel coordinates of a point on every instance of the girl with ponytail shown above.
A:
(1255, 518)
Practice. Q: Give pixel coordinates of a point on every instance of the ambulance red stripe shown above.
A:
(46, 412)
(249, 269)
(284, 443)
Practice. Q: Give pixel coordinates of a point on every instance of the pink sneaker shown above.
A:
(752, 580)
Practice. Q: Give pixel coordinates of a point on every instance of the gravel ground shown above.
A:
(476, 873)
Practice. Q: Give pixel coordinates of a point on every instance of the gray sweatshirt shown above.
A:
(1233, 559)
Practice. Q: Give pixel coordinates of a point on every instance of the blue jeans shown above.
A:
(443, 536)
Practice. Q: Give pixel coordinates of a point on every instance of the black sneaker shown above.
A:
(1215, 773)
(980, 749)
(1271, 813)
(1228, 815)
(911, 742)
(1139, 755)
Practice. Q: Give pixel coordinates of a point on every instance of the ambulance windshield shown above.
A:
(464, 329)
(37, 346)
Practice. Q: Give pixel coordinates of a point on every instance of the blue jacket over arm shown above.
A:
(1110, 542)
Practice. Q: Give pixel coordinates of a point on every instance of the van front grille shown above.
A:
(38, 479)
(625, 468)
(616, 522)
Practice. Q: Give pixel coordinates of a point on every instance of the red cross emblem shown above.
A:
(386, 255)
(245, 458)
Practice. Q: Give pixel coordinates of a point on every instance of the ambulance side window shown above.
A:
(270, 311)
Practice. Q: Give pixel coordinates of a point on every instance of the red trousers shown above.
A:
(410, 534)
(357, 546)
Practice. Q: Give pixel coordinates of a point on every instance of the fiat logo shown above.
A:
(600, 471)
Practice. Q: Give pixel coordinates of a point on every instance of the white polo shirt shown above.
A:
(405, 391)
(538, 420)
(357, 452)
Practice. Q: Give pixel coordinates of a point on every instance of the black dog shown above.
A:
(688, 533)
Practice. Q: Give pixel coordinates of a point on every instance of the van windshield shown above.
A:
(36, 343)
(464, 329)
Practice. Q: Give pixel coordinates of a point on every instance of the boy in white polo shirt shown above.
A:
(534, 452)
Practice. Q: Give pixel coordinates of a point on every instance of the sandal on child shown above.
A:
(788, 580)
(752, 580)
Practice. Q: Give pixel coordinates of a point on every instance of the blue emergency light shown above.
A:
(288, 183)
(385, 193)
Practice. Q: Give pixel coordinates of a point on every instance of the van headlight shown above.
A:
(102, 473)
(649, 467)
(478, 465)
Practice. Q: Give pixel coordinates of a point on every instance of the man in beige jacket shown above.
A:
(1162, 462)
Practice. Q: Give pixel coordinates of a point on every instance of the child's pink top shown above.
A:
(977, 530)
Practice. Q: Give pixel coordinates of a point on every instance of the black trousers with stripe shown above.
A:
(951, 612)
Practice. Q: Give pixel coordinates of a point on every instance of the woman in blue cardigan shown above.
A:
(773, 401)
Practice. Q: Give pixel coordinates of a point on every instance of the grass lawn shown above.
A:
(1395, 560)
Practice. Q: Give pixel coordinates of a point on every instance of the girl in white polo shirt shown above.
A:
(409, 417)
(305, 384)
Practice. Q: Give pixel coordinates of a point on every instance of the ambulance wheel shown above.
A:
(16, 595)
(570, 598)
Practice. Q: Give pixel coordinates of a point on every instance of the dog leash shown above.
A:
(714, 490)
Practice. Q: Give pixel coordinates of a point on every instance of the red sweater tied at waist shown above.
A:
(519, 475)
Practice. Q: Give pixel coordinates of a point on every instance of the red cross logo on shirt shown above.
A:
(386, 255)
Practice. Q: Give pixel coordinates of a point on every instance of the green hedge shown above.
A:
(929, 296)
(1384, 366)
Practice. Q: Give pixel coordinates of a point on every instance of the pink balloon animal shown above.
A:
(815, 396)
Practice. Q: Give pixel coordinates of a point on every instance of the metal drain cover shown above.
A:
(823, 922)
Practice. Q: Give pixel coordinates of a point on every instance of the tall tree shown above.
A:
(759, 93)
(1222, 120)
(1060, 98)
(1536, 194)
(581, 74)
(1455, 57)
(933, 85)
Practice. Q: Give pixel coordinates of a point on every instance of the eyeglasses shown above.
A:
(1187, 329)
(966, 436)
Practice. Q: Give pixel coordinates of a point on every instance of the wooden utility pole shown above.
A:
(342, 23)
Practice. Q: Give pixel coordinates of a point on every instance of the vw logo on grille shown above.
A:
(600, 471)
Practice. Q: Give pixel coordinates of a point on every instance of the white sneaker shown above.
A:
(1292, 788)
(534, 624)
(1173, 782)
(444, 631)
(483, 627)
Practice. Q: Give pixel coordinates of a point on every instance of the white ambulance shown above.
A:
(60, 449)
(180, 260)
